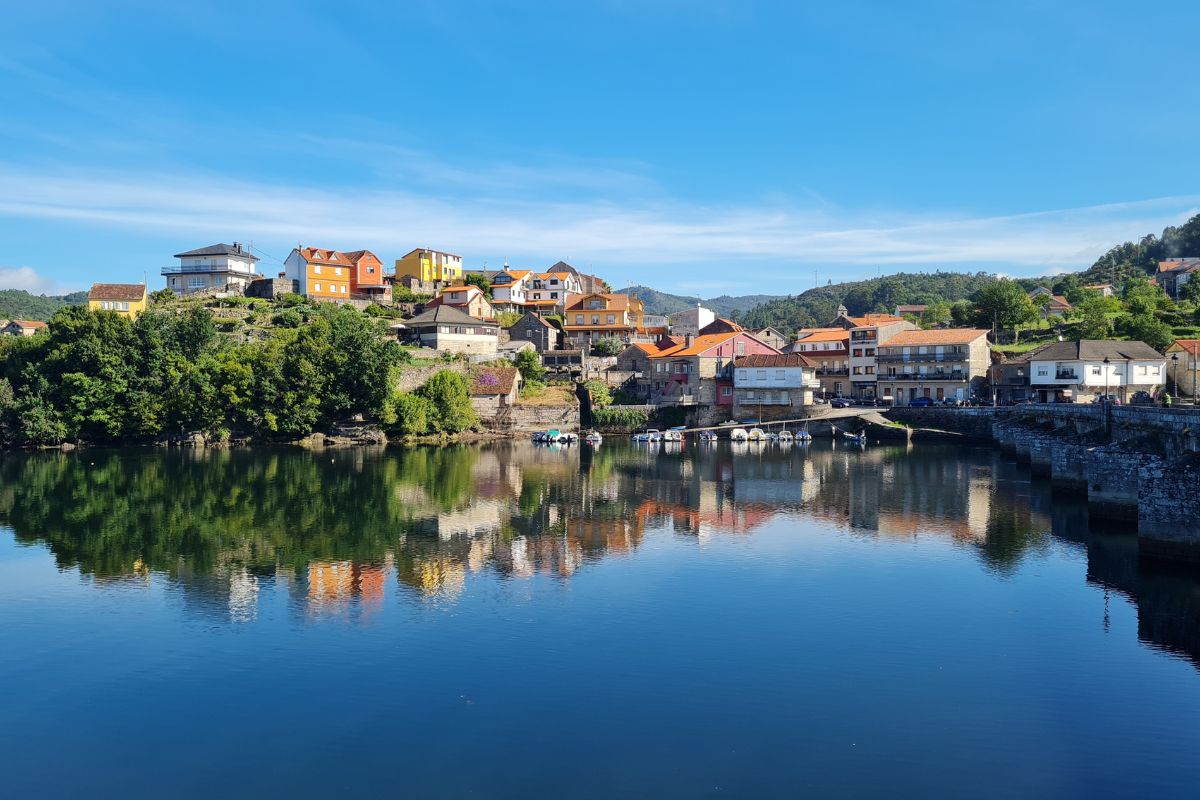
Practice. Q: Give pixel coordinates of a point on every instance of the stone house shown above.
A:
(944, 364)
(494, 388)
(544, 335)
(697, 372)
(1183, 367)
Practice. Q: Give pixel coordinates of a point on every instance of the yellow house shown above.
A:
(430, 266)
(126, 299)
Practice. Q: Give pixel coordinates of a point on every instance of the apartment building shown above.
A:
(829, 349)
(948, 364)
(869, 333)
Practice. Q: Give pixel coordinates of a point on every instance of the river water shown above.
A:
(633, 621)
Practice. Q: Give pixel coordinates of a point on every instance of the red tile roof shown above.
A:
(699, 345)
(316, 255)
(1190, 346)
(493, 380)
(942, 336)
(777, 360)
(128, 292)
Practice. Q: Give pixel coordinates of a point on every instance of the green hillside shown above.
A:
(20, 304)
(1142, 257)
(726, 305)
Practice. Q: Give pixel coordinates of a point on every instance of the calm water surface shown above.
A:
(517, 622)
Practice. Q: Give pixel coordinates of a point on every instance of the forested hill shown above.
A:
(726, 305)
(818, 306)
(20, 304)
(1142, 257)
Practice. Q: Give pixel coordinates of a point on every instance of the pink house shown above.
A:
(696, 370)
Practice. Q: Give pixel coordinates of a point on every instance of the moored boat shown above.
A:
(739, 435)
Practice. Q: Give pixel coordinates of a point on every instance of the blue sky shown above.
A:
(701, 147)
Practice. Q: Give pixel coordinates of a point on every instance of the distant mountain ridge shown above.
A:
(20, 304)
(726, 305)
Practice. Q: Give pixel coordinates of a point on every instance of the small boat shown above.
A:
(786, 436)
(772, 436)
(593, 437)
(568, 438)
(648, 435)
(803, 435)
(672, 435)
(756, 435)
(708, 436)
(739, 435)
(855, 438)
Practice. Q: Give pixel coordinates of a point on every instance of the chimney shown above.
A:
(237, 246)
(690, 339)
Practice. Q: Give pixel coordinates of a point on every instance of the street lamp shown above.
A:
(1175, 372)
(1106, 363)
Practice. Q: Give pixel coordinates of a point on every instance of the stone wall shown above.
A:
(527, 419)
(974, 423)
(1169, 508)
(412, 378)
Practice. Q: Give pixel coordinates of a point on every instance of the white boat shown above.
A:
(786, 436)
(593, 437)
(650, 435)
(708, 436)
(672, 436)
(756, 435)
(739, 435)
(568, 438)
(803, 436)
(772, 436)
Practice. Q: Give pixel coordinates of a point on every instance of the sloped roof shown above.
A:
(1190, 346)
(823, 335)
(659, 345)
(1058, 301)
(429, 250)
(1180, 265)
(448, 315)
(355, 256)
(778, 360)
(616, 302)
(538, 319)
(219, 250)
(872, 319)
(911, 309)
(699, 345)
(25, 323)
(940, 336)
(317, 255)
(1094, 350)
(127, 292)
(494, 380)
(722, 325)
(562, 266)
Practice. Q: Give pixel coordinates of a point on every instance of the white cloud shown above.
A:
(639, 233)
(28, 279)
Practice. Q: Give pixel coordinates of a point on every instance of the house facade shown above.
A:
(125, 299)
(592, 317)
(450, 330)
(218, 267)
(1083, 371)
(829, 349)
(868, 334)
(540, 292)
(494, 389)
(690, 321)
(645, 382)
(773, 337)
(1183, 367)
(21, 327)
(1175, 273)
(946, 364)
(1055, 306)
(698, 370)
(367, 279)
(773, 386)
(319, 274)
(532, 328)
(467, 298)
(430, 266)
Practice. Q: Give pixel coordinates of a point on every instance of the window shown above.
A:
(612, 318)
(870, 370)
(595, 319)
(316, 287)
(870, 351)
(857, 371)
(337, 271)
(740, 348)
(528, 334)
(858, 352)
(726, 391)
(316, 269)
(196, 282)
(1043, 372)
(1095, 370)
(579, 319)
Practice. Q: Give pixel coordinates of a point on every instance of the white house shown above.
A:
(1083, 371)
(782, 381)
(690, 321)
(218, 266)
(447, 329)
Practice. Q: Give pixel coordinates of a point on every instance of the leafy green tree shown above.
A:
(1142, 297)
(608, 346)
(413, 414)
(529, 364)
(1148, 329)
(936, 314)
(1005, 305)
(480, 280)
(962, 313)
(600, 391)
(450, 394)
(1093, 314)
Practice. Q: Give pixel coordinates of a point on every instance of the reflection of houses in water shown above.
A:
(336, 586)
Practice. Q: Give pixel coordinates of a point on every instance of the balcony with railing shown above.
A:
(188, 269)
(957, 376)
(929, 358)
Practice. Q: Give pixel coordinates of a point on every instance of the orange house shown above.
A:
(366, 275)
(320, 274)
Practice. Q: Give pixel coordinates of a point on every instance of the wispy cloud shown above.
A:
(640, 232)
(27, 278)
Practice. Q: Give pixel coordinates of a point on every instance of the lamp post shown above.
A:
(1106, 363)
(1175, 372)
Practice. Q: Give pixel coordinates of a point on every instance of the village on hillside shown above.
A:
(564, 326)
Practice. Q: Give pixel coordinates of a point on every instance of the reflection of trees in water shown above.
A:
(335, 528)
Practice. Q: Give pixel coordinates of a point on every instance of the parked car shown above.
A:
(1111, 399)
(1141, 399)
(920, 402)
(839, 402)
